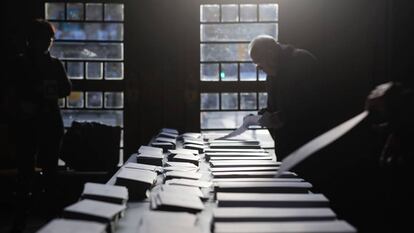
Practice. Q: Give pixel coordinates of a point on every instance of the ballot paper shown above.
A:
(338, 226)
(187, 182)
(184, 175)
(262, 214)
(319, 142)
(141, 166)
(291, 200)
(103, 192)
(247, 121)
(263, 187)
(150, 150)
(71, 226)
(168, 218)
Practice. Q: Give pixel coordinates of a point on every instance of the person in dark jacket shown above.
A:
(37, 81)
(294, 89)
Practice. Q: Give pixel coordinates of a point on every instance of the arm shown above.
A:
(64, 84)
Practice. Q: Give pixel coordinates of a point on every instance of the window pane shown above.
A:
(223, 120)
(114, 12)
(108, 117)
(236, 32)
(262, 75)
(114, 99)
(228, 72)
(75, 70)
(248, 12)
(262, 100)
(248, 100)
(247, 72)
(75, 99)
(209, 13)
(85, 51)
(224, 52)
(114, 70)
(89, 31)
(209, 72)
(268, 12)
(229, 101)
(94, 11)
(94, 99)
(74, 11)
(55, 11)
(93, 70)
(209, 101)
(61, 102)
(229, 13)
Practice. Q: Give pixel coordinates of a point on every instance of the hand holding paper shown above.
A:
(247, 121)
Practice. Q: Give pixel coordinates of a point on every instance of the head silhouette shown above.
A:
(263, 50)
(40, 36)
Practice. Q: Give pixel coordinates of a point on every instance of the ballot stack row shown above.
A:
(186, 183)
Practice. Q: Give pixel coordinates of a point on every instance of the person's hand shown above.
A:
(251, 120)
(271, 120)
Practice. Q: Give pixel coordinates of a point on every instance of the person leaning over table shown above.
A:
(295, 93)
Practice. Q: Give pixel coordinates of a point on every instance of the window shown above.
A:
(90, 42)
(231, 86)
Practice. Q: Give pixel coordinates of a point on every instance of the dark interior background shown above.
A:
(359, 44)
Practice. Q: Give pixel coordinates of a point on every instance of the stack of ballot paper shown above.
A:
(106, 193)
(263, 187)
(97, 211)
(187, 182)
(137, 181)
(150, 155)
(183, 151)
(262, 214)
(182, 175)
(72, 226)
(141, 166)
(189, 158)
(170, 200)
(283, 227)
(292, 200)
(166, 143)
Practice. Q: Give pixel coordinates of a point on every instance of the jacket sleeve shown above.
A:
(64, 84)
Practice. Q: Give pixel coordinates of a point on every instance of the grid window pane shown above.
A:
(262, 100)
(248, 12)
(262, 75)
(228, 72)
(94, 11)
(107, 117)
(268, 12)
(114, 12)
(229, 13)
(229, 101)
(114, 70)
(209, 72)
(94, 99)
(75, 70)
(209, 13)
(85, 50)
(75, 99)
(236, 32)
(247, 72)
(55, 11)
(209, 101)
(74, 11)
(114, 99)
(223, 120)
(93, 70)
(248, 100)
(89, 31)
(224, 52)
(61, 102)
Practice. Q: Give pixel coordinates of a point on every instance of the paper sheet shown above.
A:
(319, 142)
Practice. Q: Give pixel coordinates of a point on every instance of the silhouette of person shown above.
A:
(366, 173)
(37, 81)
(294, 89)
